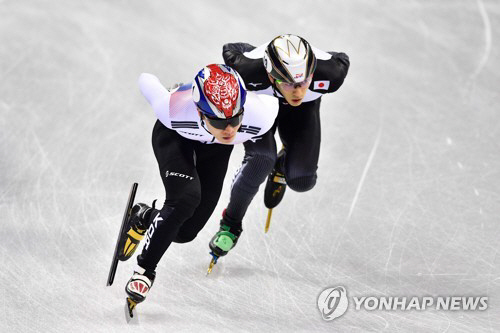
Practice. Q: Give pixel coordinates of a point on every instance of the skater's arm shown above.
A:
(246, 59)
(156, 95)
(231, 52)
(338, 68)
(151, 88)
(331, 70)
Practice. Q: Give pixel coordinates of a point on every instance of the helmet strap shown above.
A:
(202, 123)
(273, 85)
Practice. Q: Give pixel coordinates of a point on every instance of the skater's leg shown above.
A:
(258, 162)
(175, 156)
(300, 132)
(211, 165)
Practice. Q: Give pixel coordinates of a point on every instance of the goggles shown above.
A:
(221, 123)
(290, 86)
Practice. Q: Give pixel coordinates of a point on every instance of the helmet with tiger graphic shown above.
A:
(219, 92)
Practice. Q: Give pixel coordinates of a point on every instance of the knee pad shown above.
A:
(302, 184)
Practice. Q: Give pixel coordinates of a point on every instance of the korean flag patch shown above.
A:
(321, 85)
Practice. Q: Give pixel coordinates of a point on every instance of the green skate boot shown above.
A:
(224, 240)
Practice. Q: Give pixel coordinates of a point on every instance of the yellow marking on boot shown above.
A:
(277, 191)
(135, 235)
(268, 221)
(130, 249)
(279, 179)
(127, 244)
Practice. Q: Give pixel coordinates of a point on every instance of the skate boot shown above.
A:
(276, 183)
(137, 226)
(138, 287)
(225, 239)
(275, 187)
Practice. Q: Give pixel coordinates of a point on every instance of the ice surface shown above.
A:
(408, 196)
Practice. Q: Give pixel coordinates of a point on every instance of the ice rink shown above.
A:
(408, 195)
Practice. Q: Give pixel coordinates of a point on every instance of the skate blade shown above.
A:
(212, 263)
(130, 312)
(126, 215)
(268, 221)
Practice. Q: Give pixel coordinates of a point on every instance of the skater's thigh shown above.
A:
(264, 145)
(175, 157)
(211, 164)
(300, 132)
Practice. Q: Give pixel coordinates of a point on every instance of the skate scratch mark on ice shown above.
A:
(391, 238)
(365, 171)
(422, 255)
(20, 170)
(386, 323)
(487, 38)
(268, 253)
(19, 60)
(106, 65)
(441, 250)
(488, 288)
(283, 285)
(471, 271)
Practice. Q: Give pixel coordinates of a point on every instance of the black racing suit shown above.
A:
(191, 192)
(299, 127)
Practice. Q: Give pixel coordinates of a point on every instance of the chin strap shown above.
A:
(202, 124)
(276, 91)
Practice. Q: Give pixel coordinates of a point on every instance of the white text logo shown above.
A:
(452, 303)
(151, 230)
(333, 303)
(176, 174)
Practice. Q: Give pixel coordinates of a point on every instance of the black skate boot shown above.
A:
(138, 287)
(137, 226)
(225, 239)
(276, 183)
(275, 187)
